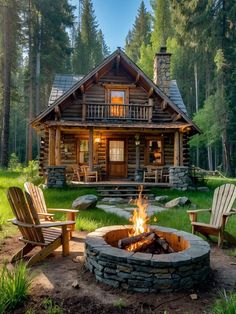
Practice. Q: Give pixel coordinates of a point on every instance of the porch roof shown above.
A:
(79, 124)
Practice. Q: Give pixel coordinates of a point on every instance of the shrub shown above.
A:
(226, 304)
(14, 163)
(14, 287)
(31, 172)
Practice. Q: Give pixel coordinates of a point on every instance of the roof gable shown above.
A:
(72, 83)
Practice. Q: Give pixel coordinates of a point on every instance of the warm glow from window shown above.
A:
(155, 151)
(117, 97)
(116, 150)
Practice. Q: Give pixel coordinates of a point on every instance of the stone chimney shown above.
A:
(161, 70)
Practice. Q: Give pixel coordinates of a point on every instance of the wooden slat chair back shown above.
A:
(223, 199)
(37, 197)
(40, 205)
(25, 214)
(89, 175)
(34, 233)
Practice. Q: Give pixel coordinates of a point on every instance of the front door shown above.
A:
(117, 166)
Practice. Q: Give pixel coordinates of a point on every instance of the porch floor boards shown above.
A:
(120, 183)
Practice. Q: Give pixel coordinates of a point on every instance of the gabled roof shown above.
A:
(61, 84)
(138, 71)
(175, 96)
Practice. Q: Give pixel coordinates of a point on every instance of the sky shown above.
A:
(115, 18)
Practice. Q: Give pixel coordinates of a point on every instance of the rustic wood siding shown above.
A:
(73, 111)
(158, 115)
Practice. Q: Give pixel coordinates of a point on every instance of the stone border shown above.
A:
(142, 272)
(56, 176)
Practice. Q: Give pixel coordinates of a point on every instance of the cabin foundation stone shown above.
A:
(179, 177)
(56, 176)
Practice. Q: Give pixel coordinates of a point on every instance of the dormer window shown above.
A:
(117, 97)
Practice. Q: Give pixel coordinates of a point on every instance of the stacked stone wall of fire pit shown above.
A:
(143, 272)
(56, 177)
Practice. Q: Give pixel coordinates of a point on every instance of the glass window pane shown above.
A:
(116, 150)
(83, 151)
(155, 152)
(117, 97)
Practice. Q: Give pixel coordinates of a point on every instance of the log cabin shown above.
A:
(118, 122)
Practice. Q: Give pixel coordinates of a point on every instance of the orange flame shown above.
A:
(139, 218)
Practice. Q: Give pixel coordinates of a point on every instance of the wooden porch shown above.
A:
(119, 183)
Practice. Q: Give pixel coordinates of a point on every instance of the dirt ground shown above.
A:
(53, 279)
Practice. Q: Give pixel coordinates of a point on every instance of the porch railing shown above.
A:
(138, 112)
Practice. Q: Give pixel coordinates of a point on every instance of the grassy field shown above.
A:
(94, 218)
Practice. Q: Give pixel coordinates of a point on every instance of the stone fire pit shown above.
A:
(143, 272)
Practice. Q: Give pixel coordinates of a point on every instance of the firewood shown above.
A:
(123, 243)
(143, 245)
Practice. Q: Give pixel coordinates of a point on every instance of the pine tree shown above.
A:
(140, 33)
(162, 30)
(90, 47)
(9, 19)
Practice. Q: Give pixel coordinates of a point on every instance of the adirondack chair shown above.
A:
(223, 199)
(34, 233)
(40, 205)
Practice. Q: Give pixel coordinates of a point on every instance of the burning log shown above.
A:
(148, 242)
(144, 244)
(123, 243)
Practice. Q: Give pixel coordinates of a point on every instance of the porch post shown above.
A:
(58, 147)
(176, 149)
(137, 157)
(137, 144)
(181, 149)
(150, 102)
(90, 147)
(51, 148)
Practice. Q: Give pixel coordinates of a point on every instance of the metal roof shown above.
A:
(175, 96)
(61, 84)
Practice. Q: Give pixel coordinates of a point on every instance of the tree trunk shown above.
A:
(226, 153)
(30, 112)
(6, 86)
(197, 106)
(209, 155)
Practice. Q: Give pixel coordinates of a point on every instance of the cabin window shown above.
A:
(83, 151)
(117, 97)
(116, 150)
(154, 152)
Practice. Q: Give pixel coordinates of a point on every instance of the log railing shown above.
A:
(117, 112)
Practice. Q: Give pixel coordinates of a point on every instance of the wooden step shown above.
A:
(122, 190)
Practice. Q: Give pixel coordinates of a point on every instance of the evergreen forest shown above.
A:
(40, 38)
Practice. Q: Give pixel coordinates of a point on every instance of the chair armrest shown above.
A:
(62, 210)
(229, 214)
(43, 225)
(193, 213)
(21, 224)
(55, 224)
(198, 211)
(45, 214)
(234, 209)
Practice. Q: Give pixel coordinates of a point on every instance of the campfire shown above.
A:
(140, 238)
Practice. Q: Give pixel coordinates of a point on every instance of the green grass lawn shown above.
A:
(95, 218)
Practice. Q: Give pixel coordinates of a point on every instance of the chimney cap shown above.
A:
(163, 51)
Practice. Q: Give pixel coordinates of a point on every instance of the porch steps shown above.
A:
(127, 191)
